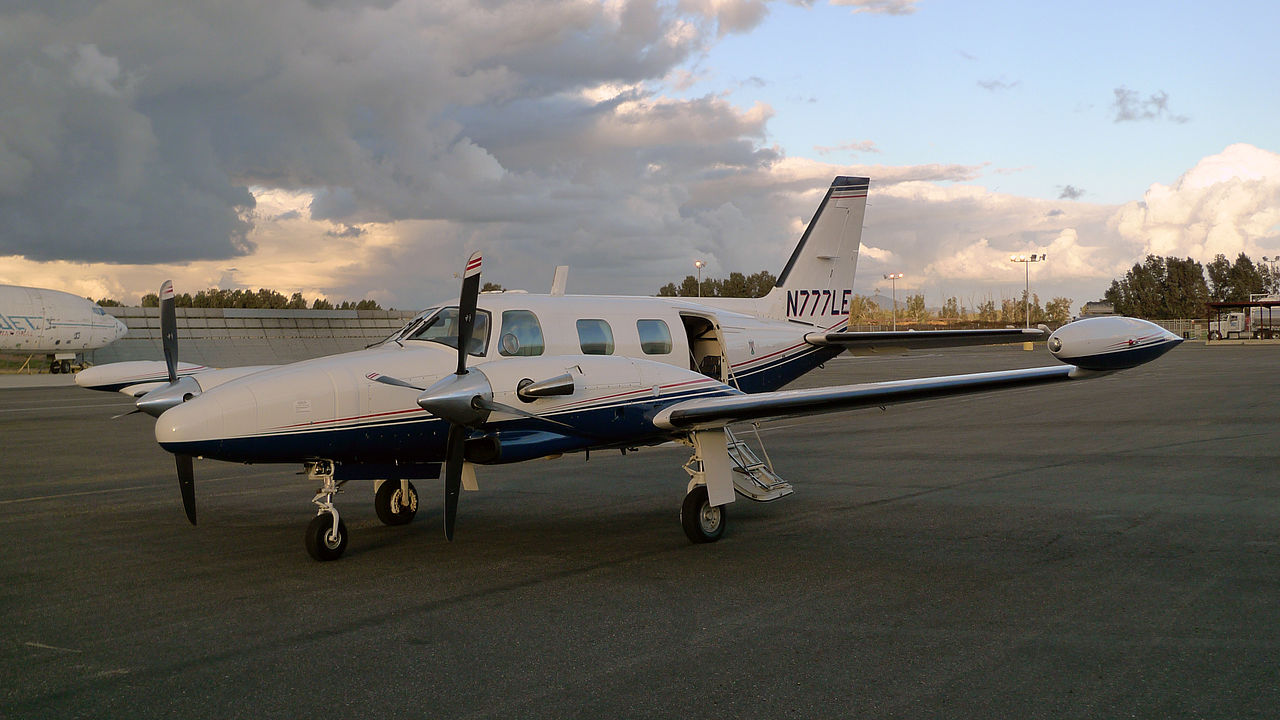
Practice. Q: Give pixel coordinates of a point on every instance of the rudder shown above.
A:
(817, 282)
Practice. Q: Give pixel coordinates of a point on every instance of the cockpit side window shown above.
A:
(443, 328)
(521, 334)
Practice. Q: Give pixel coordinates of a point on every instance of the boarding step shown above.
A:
(751, 477)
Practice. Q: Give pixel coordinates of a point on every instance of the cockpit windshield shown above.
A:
(442, 326)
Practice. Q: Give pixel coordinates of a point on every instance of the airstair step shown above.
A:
(752, 478)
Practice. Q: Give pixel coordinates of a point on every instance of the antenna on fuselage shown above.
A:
(560, 280)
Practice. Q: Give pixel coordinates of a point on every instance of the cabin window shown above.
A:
(655, 337)
(521, 334)
(595, 337)
(443, 328)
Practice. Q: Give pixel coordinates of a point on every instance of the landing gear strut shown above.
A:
(702, 521)
(327, 534)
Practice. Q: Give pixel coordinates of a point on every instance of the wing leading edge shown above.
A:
(704, 413)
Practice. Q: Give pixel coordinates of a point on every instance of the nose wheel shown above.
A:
(326, 537)
(326, 534)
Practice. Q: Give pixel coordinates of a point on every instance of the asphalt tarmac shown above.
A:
(1107, 548)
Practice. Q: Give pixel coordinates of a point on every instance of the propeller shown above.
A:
(465, 398)
(455, 398)
(178, 391)
(169, 329)
(187, 484)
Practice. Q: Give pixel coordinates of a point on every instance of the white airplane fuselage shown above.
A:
(631, 352)
(37, 320)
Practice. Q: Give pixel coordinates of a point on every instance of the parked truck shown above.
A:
(1257, 323)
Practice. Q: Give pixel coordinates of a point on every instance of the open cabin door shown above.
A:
(706, 345)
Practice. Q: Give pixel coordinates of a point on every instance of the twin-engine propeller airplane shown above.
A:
(508, 377)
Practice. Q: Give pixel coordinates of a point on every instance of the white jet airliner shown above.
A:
(35, 321)
(508, 377)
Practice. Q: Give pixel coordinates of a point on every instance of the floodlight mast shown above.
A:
(1026, 261)
(893, 284)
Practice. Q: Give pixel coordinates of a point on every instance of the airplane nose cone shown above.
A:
(121, 330)
(182, 424)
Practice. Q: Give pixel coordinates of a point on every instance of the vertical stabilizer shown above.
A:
(817, 283)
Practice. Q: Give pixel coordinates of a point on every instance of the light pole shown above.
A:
(1026, 261)
(893, 285)
(698, 264)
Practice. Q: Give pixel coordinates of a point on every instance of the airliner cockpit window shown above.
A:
(442, 327)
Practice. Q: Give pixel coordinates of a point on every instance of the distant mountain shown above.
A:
(885, 302)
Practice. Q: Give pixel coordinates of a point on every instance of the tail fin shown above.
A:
(817, 282)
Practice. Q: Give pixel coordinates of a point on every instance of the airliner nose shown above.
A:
(121, 330)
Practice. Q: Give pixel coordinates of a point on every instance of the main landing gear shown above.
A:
(702, 522)
(396, 502)
(751, 478)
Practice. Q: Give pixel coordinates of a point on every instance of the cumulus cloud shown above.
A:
(359, 148)
(1130, 106)
(1227, 204)
(134, 132)
(961, 235)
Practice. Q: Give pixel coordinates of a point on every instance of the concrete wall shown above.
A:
(226, 337)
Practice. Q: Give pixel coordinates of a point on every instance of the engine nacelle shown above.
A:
(1110, 343)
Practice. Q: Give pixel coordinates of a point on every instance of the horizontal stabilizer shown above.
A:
(913, 339)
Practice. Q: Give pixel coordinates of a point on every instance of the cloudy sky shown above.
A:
(360, 148)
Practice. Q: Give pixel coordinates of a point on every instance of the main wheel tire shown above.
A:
(320, 544)
(55, 367)
(387, 503)
(66, 366)
(702, 523)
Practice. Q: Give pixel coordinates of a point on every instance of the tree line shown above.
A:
(865, 311)
(736, 285)
(263, 298)
(1165, 288)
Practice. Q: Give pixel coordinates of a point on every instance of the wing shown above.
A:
(704, 413)
(924, 339)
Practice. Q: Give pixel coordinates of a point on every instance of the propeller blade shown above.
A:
(187, 483)
(494, 406)
(395, 382)
(134, 411)
(169, 329)
(453, 476)
(467, 308)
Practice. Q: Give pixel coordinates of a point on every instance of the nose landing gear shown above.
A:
(326, 534)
